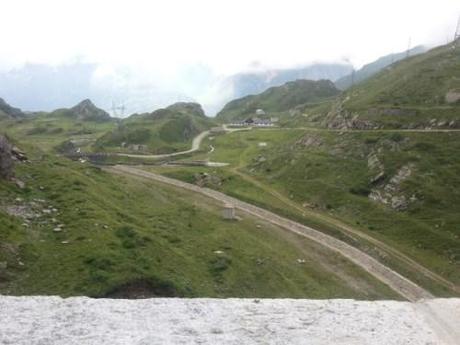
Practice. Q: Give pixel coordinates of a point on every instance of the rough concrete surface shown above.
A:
(82, 320)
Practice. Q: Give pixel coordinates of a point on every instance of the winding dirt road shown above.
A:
(397, 282)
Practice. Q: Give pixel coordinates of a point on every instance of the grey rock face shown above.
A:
(391, 194)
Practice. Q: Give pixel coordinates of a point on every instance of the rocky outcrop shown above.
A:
(340, 118)
(86, 110)
(376, 168)
(390, 193)
(309, 140)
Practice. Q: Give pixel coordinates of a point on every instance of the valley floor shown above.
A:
(81, 320)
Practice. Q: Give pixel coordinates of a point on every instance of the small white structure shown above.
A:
(228, 212)
(260, 112)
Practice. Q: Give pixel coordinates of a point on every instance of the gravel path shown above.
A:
(195, 146)
(398, 283)
(85, 321)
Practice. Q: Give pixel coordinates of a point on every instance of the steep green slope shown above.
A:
(77, 230)
(278, 100)
(419, 92)
(163, 131)
(374, 67)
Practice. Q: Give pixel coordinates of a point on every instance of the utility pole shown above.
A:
(457, 31)
(408, 48)
(116, 108)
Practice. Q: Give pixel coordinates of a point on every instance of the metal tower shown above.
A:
(408, 47)
(115, 109)
(457, 31)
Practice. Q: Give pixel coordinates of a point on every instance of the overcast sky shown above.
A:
(227, 36)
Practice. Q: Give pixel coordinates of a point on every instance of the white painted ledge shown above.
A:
(81, 320)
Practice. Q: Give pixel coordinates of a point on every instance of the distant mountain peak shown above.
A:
(86, 110)
(279, 99)
(187, 107)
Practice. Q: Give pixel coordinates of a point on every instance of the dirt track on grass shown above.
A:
(394, 280)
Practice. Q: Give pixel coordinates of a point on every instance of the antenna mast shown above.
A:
(408, 48)
(115, 108)
(457, 31)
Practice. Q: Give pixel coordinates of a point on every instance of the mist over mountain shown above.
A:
(40, 87)
(374, 67)
(244, 84)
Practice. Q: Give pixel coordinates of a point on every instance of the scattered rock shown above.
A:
(207, 180)
(261, 159)
(310, 140)
(453, 96)
(20, 184)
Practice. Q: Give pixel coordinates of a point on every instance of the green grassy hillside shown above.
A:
(49, 130)
(77, 230)
(278, 100)
(163, 131)
(399, 188)
(422, 91)
(374, 67)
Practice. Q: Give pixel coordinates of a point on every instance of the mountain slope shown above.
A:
(78, 230)
(278, 99)
(244, 84)
(84, 111)
(422, 91)
(162, 131)
(374, 67)
(9, 112)
(396, 187)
